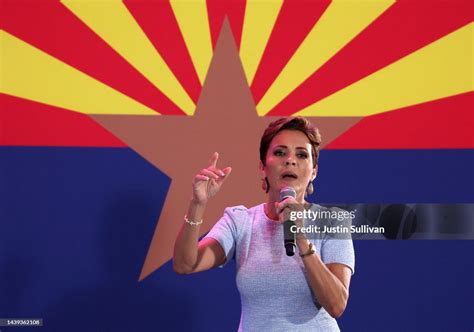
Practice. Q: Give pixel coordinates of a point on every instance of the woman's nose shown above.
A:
(290, 161)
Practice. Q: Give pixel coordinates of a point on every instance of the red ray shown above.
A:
(294, 22)
(218, 10)
(158, 22)
(401, 30)
(51, 27)
(25, 122)
(441, 124)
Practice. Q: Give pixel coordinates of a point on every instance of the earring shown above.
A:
(265, 185)
(309, 189)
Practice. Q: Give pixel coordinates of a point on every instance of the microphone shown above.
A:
(289, 237)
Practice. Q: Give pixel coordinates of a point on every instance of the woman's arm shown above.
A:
(190, 254)
(330, 283)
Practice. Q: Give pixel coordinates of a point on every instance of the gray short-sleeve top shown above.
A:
(274, 290)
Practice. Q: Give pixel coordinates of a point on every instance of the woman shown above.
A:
(278, 292)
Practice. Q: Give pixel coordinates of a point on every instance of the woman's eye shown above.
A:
(303, 155)
(278, 153)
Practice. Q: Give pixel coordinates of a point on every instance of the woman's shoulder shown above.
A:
(331, 215)
(237, 209)
(330, 210)
(243, 212)
(239, 219)
(318, 207)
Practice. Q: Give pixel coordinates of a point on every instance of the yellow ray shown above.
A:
(32, 74)
(259, 19)
(440, 69)
(340, 23)
(194, 25)
(112, 21)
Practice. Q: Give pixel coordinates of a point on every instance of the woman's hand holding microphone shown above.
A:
(291, 209)
(287, 209)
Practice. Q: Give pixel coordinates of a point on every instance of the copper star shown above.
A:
(225, 121)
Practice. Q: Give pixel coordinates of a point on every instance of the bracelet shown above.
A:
(310, 250)
(192, 223)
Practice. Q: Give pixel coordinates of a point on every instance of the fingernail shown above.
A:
(221, 173)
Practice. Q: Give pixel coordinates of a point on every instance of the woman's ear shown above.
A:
(261, 168)
(315, 173)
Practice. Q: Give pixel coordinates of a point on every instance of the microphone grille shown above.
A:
(287, 192)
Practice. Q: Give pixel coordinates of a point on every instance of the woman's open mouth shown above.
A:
(289, 176)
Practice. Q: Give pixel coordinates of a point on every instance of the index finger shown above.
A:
(287, 203)
(213, 160)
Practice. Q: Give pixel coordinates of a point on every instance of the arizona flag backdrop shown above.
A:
(108, 108)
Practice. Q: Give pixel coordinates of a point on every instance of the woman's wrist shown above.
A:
(302, 242)
(197, 203)
(196, 210)
(309, 251)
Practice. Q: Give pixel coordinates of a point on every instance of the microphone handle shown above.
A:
(289, 237)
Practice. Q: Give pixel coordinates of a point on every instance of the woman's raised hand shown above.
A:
(209, 180)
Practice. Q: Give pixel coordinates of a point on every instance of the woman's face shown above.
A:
(289, 162)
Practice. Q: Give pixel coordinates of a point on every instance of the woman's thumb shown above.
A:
(227, 171)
